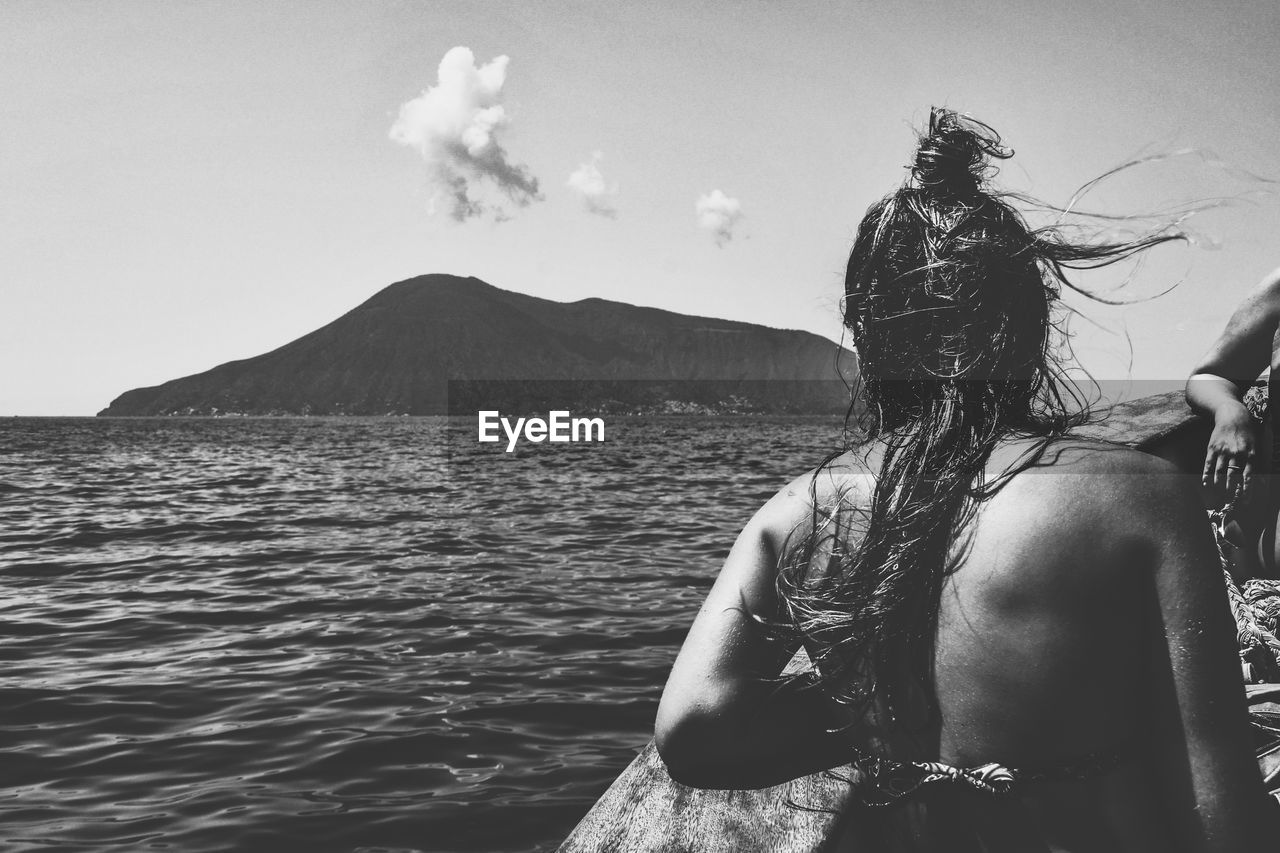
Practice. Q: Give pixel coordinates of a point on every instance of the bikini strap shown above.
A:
(882, 782)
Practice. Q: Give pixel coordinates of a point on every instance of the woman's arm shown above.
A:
(725, 720)
(1201, 742)
(1231, 454)
(1218, 383)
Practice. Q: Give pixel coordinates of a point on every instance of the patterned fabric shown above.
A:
(1255, 401)
(1263, 596)
(1254, 612)
(1264, 712)
(881, 782)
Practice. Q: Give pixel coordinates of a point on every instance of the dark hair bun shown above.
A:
(954, 156)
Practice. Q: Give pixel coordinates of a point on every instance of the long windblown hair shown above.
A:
(950, 299)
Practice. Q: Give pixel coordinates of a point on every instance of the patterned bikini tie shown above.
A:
(883, 782)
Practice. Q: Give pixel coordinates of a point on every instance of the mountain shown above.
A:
(437, 343)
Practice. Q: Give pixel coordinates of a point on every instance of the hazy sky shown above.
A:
(182, 184)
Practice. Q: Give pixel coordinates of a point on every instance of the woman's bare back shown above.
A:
(1051, 653)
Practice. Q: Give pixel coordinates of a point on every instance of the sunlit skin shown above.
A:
(1238, 458)
(1086, 614)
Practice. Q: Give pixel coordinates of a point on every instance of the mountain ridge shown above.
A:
(402, 349)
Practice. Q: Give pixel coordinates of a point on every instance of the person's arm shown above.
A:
(1218, 382)
(725, 720)
(1202, 747)
(1231, 454)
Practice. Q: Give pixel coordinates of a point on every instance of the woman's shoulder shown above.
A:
(1074, 455)
(1074, 463)
(1099, 479)
(1092, 483)
(1083, 514)
(818, 496)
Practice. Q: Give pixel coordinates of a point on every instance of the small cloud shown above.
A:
(590, 184)
(718, 214)
(455, 125)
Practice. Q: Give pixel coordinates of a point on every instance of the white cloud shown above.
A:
(454, 125)
(600, 197)
(719, 214)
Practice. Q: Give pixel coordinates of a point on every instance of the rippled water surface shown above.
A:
(348, 634)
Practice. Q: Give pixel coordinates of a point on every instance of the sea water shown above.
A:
(349, 634)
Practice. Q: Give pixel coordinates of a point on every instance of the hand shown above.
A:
(1230, 462)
